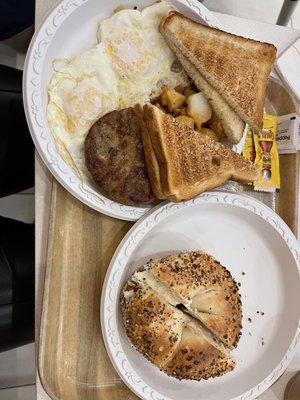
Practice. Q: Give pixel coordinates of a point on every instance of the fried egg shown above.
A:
(141, 59)
(79, 93)
(128, 66)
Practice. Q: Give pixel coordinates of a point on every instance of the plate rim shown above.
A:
(128, 375)
(38, 126)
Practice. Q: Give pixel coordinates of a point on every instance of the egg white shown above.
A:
(79, 93)
(128, 66)
(139, 55)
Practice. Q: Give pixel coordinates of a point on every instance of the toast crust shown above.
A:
(150, 157)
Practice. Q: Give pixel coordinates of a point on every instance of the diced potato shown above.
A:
(188, 91)
(179, 89)
(209, 133)
(159, 106)
(184, 111)
(174, 99)
(180, 111)
(215, 125)
(198, 108)
(163, 98)
(177, 112)
(183, 119)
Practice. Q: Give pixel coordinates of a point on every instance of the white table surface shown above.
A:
(282, 37)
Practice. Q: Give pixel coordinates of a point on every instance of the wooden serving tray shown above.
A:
(72, 360)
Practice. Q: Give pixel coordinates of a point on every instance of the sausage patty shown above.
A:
(114, 156)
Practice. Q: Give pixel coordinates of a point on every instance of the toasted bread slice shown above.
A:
(191, 163)
(151, 161)
(232, 124)
(238, 68)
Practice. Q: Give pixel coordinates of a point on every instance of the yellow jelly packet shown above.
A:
(266, 156)
(249, 147)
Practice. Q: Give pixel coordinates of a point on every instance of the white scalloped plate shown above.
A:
(246, 237)
(70, 28)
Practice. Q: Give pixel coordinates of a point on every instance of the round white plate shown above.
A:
(69, 29)
(246, 237)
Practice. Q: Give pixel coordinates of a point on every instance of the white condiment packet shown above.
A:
(288, 133)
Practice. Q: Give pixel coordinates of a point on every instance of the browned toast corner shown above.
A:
(237, 67)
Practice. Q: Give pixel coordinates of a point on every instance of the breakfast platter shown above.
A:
(85, 108)
(139, 124)
(49, 44)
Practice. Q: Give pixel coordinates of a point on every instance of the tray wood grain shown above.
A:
(72, 360)
(287, 201)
